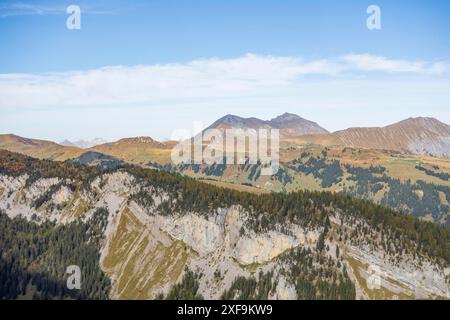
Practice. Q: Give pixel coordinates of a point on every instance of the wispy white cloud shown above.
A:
(247, 76)
(29, 9)
(367, 62)
(22, 9)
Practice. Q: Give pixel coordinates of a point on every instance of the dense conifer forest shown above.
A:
(34, 258)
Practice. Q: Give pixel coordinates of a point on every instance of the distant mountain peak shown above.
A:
(287, 116)
(67, 143)
(231, 119)
(142, 139)
(423, 121)
(289, 124)
(85, 144)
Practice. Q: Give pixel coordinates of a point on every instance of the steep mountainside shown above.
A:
(157, 232)
(290, 125)
(414, 135)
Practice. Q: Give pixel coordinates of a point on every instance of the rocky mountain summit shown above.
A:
(290, 125)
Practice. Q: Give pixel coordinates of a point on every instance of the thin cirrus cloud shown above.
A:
(32, 9)
(247, 76)
(367, 62)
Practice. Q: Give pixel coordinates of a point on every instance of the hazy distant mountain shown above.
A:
(85, 144)
(290, 125)
(416, 135)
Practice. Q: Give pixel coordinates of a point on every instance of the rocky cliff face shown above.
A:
(145, 252)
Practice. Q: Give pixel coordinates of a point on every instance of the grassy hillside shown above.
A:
(41, 149)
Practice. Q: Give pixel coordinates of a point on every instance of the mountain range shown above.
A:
(424, 136)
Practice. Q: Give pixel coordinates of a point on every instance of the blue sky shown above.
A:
(187, 61)
(148, 32)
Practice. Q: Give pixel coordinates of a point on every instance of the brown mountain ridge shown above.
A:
(422, 136)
